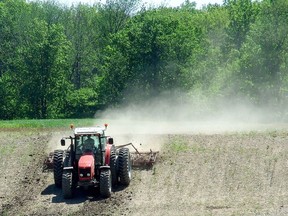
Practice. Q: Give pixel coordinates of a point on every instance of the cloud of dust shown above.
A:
(54, 142)
(181, 114)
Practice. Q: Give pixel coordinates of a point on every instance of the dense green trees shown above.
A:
(264, 54)
(58, 61)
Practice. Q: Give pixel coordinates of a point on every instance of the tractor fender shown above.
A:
(104, 167)
(107, 155)
(66, 159)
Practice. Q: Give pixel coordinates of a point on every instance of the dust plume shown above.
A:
(54, 142)
(181, 114)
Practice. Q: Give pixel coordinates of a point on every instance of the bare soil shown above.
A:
(197, 174)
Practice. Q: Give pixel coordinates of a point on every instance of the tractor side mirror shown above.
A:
(62, 142)
(110, 141)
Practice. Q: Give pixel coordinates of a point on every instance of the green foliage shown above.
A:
(58, 61)
(242, 14)
(114, 77)
(82, 33)
(82, 102)
(264, 54)
(156, 45)
(45, 57)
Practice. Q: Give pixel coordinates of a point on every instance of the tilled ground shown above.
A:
(27, 189)
(201, 174)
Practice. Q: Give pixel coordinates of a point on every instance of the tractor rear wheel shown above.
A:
(105, 183)
(113, 166)
(124, 166)
(67, 184)
(58, 167)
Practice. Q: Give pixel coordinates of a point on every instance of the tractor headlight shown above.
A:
(88, 174)
(81, 175)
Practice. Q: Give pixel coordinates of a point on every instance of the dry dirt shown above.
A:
(235, 173)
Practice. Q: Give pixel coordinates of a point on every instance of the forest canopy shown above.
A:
(62, 62)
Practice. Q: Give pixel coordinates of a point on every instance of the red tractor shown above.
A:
(91, 160)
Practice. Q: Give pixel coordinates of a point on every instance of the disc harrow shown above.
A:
(141, 159)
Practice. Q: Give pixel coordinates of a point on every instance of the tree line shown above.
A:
(60, 62)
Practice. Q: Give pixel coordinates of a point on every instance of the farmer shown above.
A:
(89, 144)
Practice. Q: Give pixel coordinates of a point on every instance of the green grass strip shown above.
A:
(46, 123)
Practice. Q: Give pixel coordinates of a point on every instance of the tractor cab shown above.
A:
(87, 143)
(90, 141)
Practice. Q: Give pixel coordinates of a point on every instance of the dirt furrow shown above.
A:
(200, 174)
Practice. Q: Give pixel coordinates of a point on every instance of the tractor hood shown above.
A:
(86, 161)
(86, 168)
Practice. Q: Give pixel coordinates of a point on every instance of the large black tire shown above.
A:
(113, 166)
(105, 183)
(58, 167)
(67, 184)
(124, 166)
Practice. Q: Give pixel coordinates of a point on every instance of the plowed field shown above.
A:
(215, 173)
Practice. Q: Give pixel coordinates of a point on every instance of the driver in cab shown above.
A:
(88, 144)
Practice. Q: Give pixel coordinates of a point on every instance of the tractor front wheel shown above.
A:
(67, 184)
(58, 167)
(105, 183)
(124, 166)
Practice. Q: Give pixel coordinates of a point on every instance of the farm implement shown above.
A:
(92, 159)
